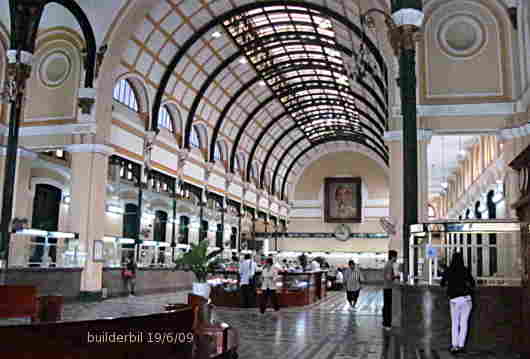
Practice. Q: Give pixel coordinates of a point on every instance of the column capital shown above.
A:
(90, 148)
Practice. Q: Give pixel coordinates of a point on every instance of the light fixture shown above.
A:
(126, 240)
(32, 232)
(61, 235)
(216, 34)
(115, 209)
(67, 199)
(243, 60)
(262, 83)
(444, 185)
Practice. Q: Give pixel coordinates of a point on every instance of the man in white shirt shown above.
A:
(315, 265)
(353, 278)
(247, 269)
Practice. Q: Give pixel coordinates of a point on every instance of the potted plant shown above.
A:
(197, 260)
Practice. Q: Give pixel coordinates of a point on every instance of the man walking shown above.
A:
(247, 269)
(389, 278)
(353, 279)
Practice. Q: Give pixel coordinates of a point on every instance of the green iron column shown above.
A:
(25, 18)
(407, 18)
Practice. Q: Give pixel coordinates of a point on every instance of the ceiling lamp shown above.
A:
(216, 34)
(243, 60)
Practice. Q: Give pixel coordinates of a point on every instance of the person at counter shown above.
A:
(268, 287)
(460, 284)
(247, 270)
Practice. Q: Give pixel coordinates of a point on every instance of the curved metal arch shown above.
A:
(312, 145)
(239, 53)
(253, 81)
(254, 112)
(327, 101)
(19, 42)
(383, 149)
(88, 34)
(306, 119)
(248, 7)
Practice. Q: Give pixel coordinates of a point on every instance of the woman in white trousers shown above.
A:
(460, 286)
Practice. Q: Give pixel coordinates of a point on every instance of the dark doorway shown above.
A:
(184, 230)
(46, 207)
(160, 226)
(233, 238)
(219, 236)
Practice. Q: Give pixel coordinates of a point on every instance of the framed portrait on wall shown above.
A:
(342, 200)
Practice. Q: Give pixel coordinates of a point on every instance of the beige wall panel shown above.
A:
(236, 190)
(348, 164)
(45, 141)
(124, 139)
(216, 181)
(193, 170)
(251, 197)
(464, 41)
(164, 157)
(465, 122)
(113, 224)
(52, 87)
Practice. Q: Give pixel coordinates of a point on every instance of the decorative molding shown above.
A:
(423, 135)
(89, 148)
(23, 153)
(479, 109)
(69, 129)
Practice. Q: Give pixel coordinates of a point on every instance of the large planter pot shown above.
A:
(202, 289)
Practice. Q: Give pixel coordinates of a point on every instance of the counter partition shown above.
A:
(293, 288)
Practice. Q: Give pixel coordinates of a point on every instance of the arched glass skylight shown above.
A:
(124, 94)
(217, 152)
(195, 141)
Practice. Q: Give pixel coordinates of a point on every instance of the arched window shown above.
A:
(252, 173)
(159, 233)
(195, 141)
(124, 93)
(237, 164)
(165, 120)
(217, 152)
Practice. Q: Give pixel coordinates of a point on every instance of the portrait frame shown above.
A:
(350, 209)
(98, 251)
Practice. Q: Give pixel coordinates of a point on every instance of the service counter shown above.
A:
(294, 288)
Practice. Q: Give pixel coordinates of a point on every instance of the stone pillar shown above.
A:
(22, 202)
(87, 206)
(393, 140)
(424, 138)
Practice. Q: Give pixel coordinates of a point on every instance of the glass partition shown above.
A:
(491, 250)
(38, 248)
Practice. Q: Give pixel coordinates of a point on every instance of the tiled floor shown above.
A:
(327, 330)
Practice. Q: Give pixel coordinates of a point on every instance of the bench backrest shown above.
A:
(18, 301)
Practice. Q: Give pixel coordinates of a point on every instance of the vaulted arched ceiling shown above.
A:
(270, 78)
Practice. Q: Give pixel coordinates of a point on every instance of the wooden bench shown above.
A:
(160, 336)
(18, 302)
